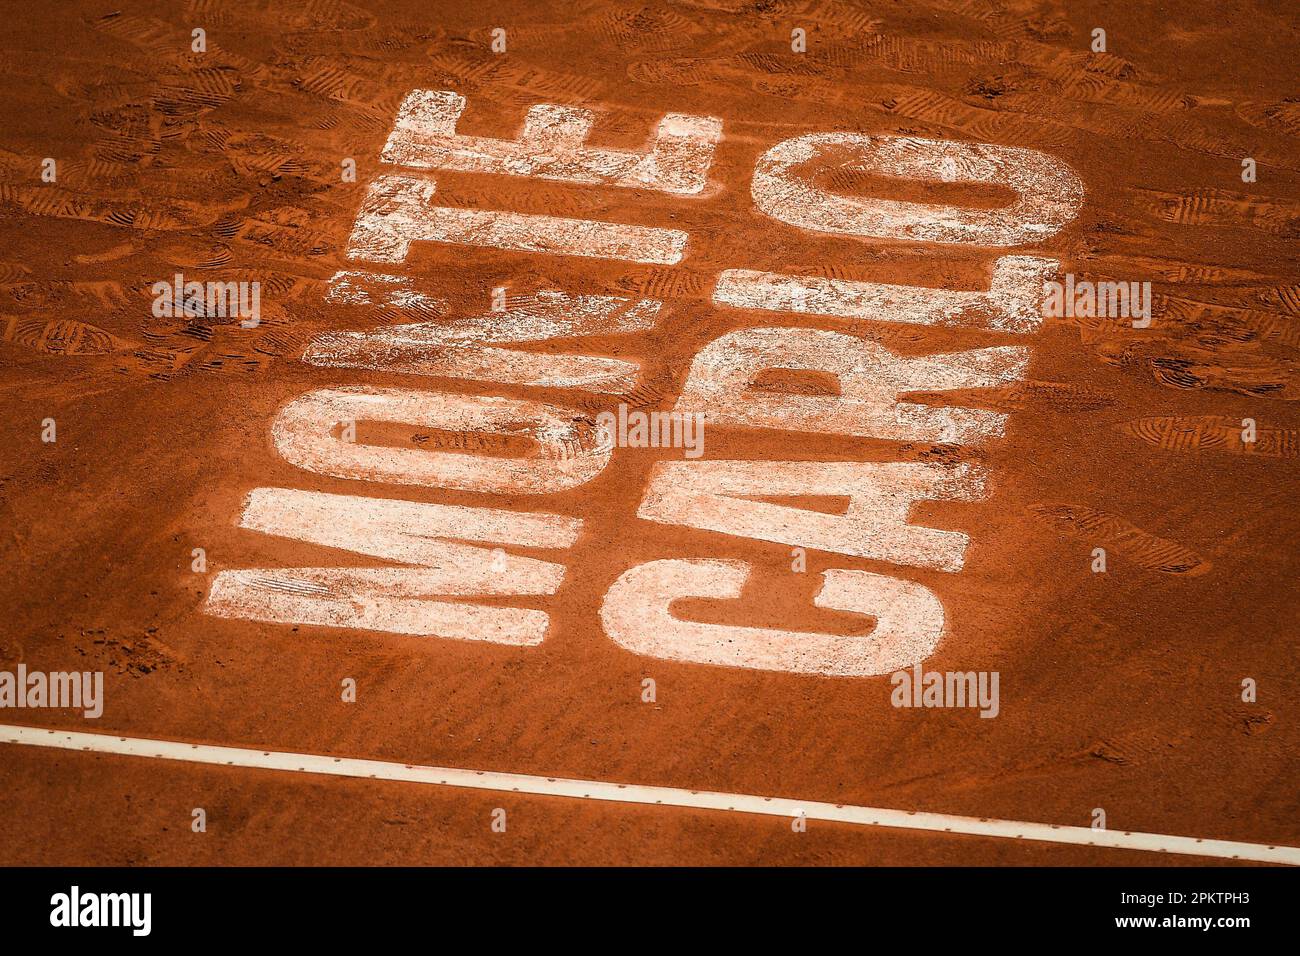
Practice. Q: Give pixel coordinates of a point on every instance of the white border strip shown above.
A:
(632, 793)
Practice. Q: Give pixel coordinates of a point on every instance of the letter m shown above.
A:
(433, 560)
(222, 299)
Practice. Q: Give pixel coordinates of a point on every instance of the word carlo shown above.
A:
(440, 558)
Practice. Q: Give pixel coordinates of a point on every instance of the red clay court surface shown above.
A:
(1119, 690)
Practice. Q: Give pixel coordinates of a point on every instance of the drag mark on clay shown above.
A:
(60, 336)
(1059, 397)
(1212, 433)
(1144, 549)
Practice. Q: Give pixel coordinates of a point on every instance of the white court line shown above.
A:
(633, 793)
